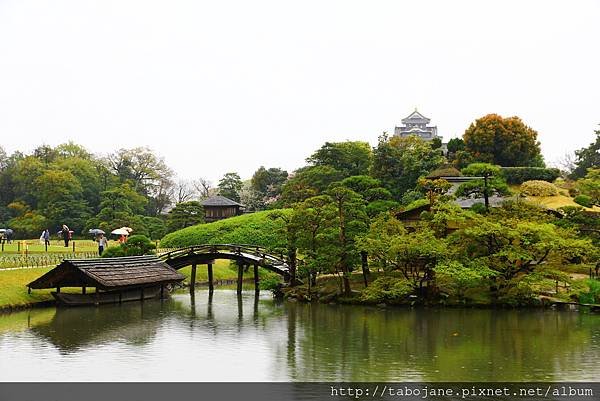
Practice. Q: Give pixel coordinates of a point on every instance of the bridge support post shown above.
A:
(193, 279)
(240, 277)
(256, 281)
(210, 277)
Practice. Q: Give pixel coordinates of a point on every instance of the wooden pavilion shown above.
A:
(115, 279)
(219, 207)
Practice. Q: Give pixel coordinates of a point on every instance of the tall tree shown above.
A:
(308, 182)
(586, 158)
(351, 221)
(268, 182)
(349, 158)
(230, 186)
(203, 187)
(185, 214)
(398, 162)
(503, 141)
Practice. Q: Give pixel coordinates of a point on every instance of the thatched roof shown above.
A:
(109, 273)
(219, 200)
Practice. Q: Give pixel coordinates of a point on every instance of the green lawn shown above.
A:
(13, 292)
(34, 246)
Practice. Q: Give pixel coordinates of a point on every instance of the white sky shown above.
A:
(219, 86)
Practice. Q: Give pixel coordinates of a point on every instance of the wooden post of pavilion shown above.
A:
(256, 281)
(210, 277)
(240, 276)
(193, 279)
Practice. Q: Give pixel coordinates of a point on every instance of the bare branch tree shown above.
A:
(184, 191)
(203, 186)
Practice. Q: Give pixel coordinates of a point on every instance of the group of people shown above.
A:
(67, 235)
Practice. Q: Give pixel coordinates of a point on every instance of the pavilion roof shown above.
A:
(109, 273)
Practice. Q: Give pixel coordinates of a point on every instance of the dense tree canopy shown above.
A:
(503, 141)
(69, 185)
(398, 162)
(587, 158)
(349, 158)
(230, 186)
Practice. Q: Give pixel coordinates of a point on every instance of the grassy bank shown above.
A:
(13, 293)
(260, 228)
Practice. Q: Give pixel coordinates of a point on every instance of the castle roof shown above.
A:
(415, 117)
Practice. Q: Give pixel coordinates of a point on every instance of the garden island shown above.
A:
(480, 220)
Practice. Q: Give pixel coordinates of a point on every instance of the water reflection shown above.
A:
(208, 337)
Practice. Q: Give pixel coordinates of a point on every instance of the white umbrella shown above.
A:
(129, 229)
(120, 231)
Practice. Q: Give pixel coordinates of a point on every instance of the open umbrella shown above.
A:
(96, 231)
(129, 229)
(120, 231)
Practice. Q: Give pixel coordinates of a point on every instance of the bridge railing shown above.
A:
(258, 251)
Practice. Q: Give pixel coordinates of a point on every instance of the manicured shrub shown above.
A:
(136, 245)
(518, 175)
(260, 228)
(538, 188)
(583, 200)
(114, 252)
(386, 289)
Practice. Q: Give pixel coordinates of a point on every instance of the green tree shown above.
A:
(590, 185)
(586, 158)
(118, 208)
(308, 182)
(26, 223)
(413, 254)
(290, 230)
(230, 186)
(313, 218)
(454, 145)
(350, 221)
(433, 189)
(61, 200)
(147, 173)
(491, 182)
(349, 158)
(514, 249)
(398, 162)
(503, 141)
(459, 277)
(268, 182)
(185, 214)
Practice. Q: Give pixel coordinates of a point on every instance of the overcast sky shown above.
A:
(219, 86)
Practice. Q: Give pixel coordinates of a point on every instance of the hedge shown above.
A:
(258, 228)
(518, 175)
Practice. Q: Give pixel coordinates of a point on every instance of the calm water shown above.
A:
(248, 339)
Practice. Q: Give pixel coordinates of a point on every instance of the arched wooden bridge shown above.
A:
(245, 255)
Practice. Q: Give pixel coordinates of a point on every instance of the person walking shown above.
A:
(102, 244)
(66, 235)
(46, 236)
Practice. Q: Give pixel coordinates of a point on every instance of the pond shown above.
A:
(226, 338)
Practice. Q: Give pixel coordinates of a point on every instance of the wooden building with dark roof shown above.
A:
(115, 279)
(219, 207)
